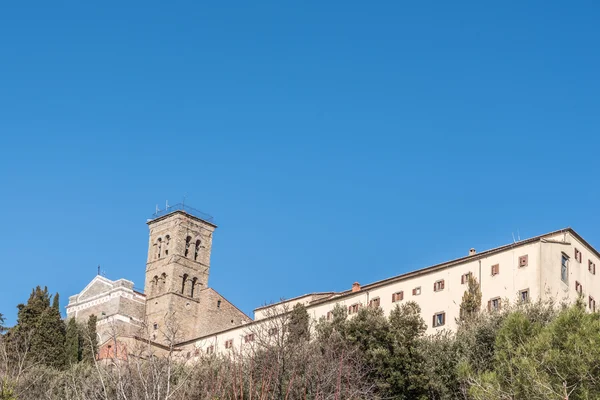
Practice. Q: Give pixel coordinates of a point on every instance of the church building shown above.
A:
(180, 311)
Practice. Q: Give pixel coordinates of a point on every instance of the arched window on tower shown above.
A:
(194, 281)
(197, 250)
(188, 240)
(162, 282)
(167, 241)
(154, 286)
(183, 282)
(158, 247)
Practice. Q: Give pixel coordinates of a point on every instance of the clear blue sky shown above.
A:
(332, 141)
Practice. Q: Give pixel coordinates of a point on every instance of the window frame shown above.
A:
(464, 278)
(229, 343)
(249, 338)
(439, 285)
(373, 301)
(435, 323)
(491, 304)
(591, 267)
(564, 266)
(578, 287)
(577, 255)
(398, 296)
(592, 303)
(526, 300)
(495, 269)
(353, 308)
(524, 261)
(416, 291)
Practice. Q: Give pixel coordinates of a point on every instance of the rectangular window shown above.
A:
(592, 303)
(577, 255)
(524, 295)
(439, 319)
(329, 316)
(495, 269)
(523, 260)
(374, 303)
(249, 338)
(398, 296)
(494, 304)
(564, 269)
(416, 291)
(273, 331)
(591, 267)
(439, 285)
(353, 309)
(578, 287)
(229, 344)
(210, 349)
(464, 278)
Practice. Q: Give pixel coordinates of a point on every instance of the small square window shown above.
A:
(353, 309)
(374, 303)
(464, 278)
(438, 286)
(591, 267)
(494, 304)
(495, 269)
(523, 261)
(398, 296)
(416, 291)
(439, 319)
(524, 295)
(210, 349)
(249, 338)
(592, 303)
(229, 344)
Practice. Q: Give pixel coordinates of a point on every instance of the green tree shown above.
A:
(405, 369)
(49, 338)
(2, 320)
(90, 340)
(73, 342)
(297, 326)
(42, 324)
(471, 300)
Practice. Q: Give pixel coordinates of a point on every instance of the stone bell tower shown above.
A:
(176, 271)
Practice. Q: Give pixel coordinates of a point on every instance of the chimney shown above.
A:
(355, 287)
(472, 252)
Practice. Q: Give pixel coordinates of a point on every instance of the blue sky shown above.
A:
(332, 141)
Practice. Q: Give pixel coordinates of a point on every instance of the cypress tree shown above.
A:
(41, 328)
(2, 327)
(90, 340)
(471, 300)
(298, 324)
(50, 337)
(73, 347)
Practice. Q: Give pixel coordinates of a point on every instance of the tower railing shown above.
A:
(187, 209)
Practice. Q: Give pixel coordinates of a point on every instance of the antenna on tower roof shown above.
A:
(98, 269)
(513, 235)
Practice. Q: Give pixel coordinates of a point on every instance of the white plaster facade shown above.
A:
(539, 274)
